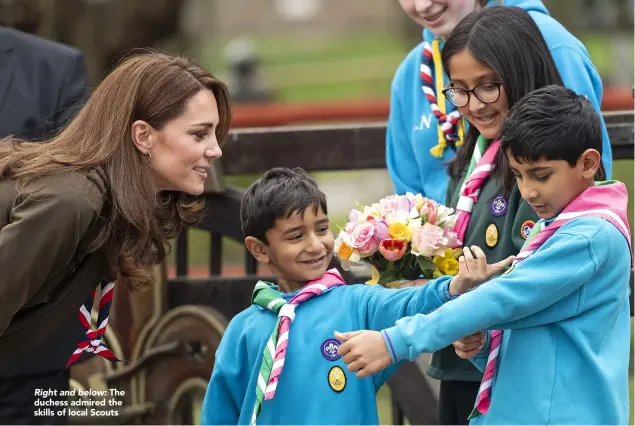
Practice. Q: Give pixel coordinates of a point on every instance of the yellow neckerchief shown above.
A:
(438, 150)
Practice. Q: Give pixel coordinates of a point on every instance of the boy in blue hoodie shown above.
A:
(557, 349)
(277, 362)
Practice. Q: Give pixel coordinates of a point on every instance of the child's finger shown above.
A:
(464, 346)
(470, 346)
(363, 373)
(343, 337)
(349, 358)
(344, 349)
(463, 266)
(355, 366)
(481, 259)
(476, 337)
(469, 259)
(499, 266)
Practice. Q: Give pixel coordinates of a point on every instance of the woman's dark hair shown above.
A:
(507, 40)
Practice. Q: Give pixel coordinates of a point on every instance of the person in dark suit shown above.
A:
(43, 84)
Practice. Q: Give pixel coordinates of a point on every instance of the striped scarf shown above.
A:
(607, 200)
(480, 168)
(450, 128)
(92, 342)
(276, 348)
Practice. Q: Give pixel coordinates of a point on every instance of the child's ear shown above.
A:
(257, 249)
(591, 160)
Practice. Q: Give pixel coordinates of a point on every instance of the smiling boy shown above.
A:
(277, 362)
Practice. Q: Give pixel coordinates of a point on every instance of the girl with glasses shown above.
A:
(426, 130)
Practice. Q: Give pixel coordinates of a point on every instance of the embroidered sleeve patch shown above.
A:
(526, 228)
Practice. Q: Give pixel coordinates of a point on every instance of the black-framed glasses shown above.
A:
(484, 92)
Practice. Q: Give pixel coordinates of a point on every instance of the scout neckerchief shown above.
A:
(450, 126)
(607, 200)
(276, 349)
(480, 167)
(92, 342)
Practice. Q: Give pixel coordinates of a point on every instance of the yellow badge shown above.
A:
(337, 379)
(491, 235)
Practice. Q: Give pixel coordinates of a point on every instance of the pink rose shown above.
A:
(381, 230)
(453, 239)
(428, 241)
(395, 203)
(430, 210)
(362, 238)
(353, 218)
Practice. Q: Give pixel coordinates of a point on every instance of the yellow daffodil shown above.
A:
(447, 264)
(399, 231)
(374, 276)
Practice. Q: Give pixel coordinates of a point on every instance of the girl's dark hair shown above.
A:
(507, 40)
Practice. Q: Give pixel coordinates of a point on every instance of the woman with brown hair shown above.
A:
(99, 202)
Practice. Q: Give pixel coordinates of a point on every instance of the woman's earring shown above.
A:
(149, 155)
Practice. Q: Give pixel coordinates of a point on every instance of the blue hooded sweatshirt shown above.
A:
(305, 393)
(412, 127)
(565, 315)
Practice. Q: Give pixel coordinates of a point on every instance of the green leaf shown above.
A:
(425, 264)
(387, 277)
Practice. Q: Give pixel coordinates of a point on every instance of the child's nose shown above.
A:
(475, 104)
(422, 5)
(527, 192)
(315, 244)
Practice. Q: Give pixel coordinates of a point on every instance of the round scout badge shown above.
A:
(337, 379)
(498, 206)
(491, 235)
(329, 349)
(526, 228)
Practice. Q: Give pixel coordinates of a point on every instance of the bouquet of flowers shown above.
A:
(403, 237)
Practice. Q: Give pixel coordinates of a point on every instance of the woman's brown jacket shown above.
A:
(46, 271)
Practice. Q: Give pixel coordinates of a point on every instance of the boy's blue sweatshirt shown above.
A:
(303, 395)
(412, 127)
(565, 312)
